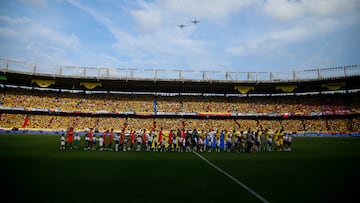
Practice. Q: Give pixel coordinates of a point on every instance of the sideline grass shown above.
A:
(318, 170)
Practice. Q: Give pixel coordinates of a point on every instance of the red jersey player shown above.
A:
(70, 136)
(111, 137)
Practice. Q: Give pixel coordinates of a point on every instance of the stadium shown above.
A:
(319, 107)
(315, 101)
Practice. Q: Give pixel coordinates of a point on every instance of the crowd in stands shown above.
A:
(50, 122)
(66, 101)
(82, 102)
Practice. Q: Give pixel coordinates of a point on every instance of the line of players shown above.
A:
(180, 141)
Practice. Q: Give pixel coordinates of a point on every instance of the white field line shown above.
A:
(234, 179)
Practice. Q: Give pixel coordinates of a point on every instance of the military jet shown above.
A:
(182, 26)
(195, 22)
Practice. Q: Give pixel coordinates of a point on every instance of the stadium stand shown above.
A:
(36, 101)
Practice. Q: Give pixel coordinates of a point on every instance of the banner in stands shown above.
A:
(286, 88)
(187, 113)
(83, 132)
(244, 89)
(333, 86)
(43, 83)
(144, 113)
(91, 85)
(214, 114)
(166, 113)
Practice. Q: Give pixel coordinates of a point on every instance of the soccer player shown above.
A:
(187, 144)
(289, 141)
(265, 136)
(214, 142)
(62, 142)
(222, 140)
(138, 143)
(257, 147)
(86, 138)
(194, 139)
(144, 136)
(104, 138)
(150, 138)
(132, 140)
(90, 139)
(249, 141)
(281, 140)
(218, 143)
(174, 142)
(209, 142)
(124, 145)
(242, 141)
(201, 143)
(229, 142)
(77, 139)
(101, 143)
(183, 140)
(94, 139)
(276, 141)
(160, 137)
(269, 137)
(183, 144)
(111, 137)
(237, 144)
(122, 139)
(117, 140)
(70, 136)
(170, 139)
(180, 141)
(163, 145)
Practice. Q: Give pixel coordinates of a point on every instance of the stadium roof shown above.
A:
(181, 81)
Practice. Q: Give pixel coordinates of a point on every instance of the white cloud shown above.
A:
(29, 31)
(9, 32)
(209, 9)
(172, 12)
(60, 39)
(148, 19)
(278, 39)
(299, 22)
(291, 10)
(37, 42)
(9, 20)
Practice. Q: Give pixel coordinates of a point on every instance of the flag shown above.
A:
(222, 140)
(155, 106)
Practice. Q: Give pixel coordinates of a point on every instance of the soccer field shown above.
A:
(319, 169)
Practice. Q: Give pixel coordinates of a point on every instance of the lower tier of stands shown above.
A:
(58, 124)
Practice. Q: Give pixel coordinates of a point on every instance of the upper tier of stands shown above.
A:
(82, 102)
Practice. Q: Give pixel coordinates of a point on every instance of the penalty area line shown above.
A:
(234, 179)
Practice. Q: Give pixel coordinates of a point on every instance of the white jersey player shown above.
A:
(62, 142)
(138, 143)
(116, 139)
(101, 143)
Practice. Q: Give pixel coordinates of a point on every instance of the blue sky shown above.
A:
(233, 35)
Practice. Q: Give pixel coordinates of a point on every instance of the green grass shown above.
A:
(317, 170)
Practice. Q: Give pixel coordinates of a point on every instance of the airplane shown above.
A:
(195, 21)
(182, 26)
